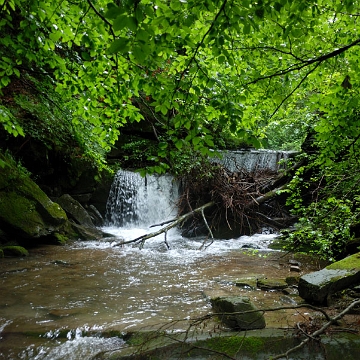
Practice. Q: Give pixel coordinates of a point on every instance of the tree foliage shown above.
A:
(198, 65)
(201, 68)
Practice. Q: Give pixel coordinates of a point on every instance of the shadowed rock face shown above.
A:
(25, 210)
(74, 210)
(316, 287)
(27, 215)
(231, 310)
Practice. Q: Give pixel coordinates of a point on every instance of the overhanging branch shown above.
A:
(304, 63)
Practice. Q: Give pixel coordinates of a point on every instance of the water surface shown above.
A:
(59, 301)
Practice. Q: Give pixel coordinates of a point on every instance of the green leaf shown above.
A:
(246, 28)
(113, 11)
(142, 35)
(5, 81)
(125, 21)
(221, 59)
(179, 144)
(139, 54)
(175, 5)
(119, 45)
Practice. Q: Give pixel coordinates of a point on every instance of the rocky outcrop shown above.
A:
(74, 210)
(238, 313)
(318, 286)
(28, 216)
(25, 210)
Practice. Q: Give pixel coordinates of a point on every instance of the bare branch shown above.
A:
(173, 223)
(305, 63)
(319, 331)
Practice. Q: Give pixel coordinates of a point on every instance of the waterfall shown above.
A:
(136, 201)
(253, 159)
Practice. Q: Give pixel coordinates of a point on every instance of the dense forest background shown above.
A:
(162, 85)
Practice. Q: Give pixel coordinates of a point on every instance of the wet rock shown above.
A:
(74, 210)
(248, 282)
(95, 215)
(292, 280)
(231, 312)
(271, 284)
(294, 262)
(14, 251)
(88, 233)
(295, 268)
(25, 210)
(291, 299)
(290, 291)
(316, 287)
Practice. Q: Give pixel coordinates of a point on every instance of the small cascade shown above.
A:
(136, 201)
(253, 159)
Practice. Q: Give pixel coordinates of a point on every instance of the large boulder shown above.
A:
(238, 312)
(74, 210)
(25, 210)
(28, 216)
(316, 287)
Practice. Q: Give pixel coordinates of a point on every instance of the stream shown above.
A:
(60, 302)
(70, 302)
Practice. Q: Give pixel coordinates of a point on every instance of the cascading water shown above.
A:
(136, 201)
(253, 159)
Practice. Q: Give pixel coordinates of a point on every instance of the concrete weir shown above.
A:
(251, 159)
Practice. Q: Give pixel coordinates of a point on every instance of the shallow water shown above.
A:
(59, 302)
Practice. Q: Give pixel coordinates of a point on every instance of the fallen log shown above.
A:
(172, 223)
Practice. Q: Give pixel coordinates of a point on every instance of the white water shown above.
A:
(136, 201)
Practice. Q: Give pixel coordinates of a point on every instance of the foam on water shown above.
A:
(75, 348)
(183, 250)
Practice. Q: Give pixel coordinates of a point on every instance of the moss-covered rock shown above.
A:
(13, 250)
(349, 263)
(317, 286)
(271, 284)
(25, 210)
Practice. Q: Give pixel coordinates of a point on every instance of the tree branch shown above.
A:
(305, 63)
(201, 42)
(318, 332)
(173, 223)
(292, 92)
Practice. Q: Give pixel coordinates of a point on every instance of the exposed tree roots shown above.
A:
(244, 201)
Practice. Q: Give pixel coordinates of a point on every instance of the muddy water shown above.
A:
(57, 302)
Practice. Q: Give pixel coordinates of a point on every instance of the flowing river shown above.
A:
(66, 302)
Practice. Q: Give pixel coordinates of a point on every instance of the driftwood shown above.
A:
(172, 223)
(244, 200)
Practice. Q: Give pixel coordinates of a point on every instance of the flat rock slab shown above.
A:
(238, 313)
(272, 284)
(317, 286)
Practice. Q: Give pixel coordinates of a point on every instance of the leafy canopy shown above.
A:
(197, 64)
(265, 72)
